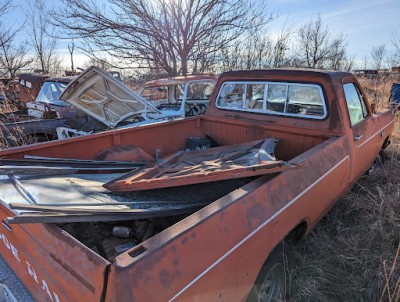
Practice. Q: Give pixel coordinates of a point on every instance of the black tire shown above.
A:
(270, 283)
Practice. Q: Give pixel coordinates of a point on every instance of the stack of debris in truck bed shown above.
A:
(112, 205)
(47, 190)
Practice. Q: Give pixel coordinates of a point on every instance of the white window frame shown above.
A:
(264, 110)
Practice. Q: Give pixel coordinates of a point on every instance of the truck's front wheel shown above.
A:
(270, 282)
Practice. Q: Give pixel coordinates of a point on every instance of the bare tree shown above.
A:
(396, 41)
(378, 53)
(314, 43)
(71, 49)
(365, 61)
(395, 56)
(42, 35)
(176, 36)
(250, 52)
(318, 49)
(337, 55)
(281, 48)
(13, 56)
(258, 50)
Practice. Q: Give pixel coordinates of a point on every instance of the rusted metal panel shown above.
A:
(29, 86)
(321, 78)
(166, 137)
(53, 265)
(216, 253)
(199, 166)
(179, 80)
(108, 100)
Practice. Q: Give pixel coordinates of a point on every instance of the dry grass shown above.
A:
(347, 254)
(11, 138)
(352, 254)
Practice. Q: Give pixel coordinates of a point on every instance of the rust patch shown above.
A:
(167, 277)
(124, 153)
(256, 215)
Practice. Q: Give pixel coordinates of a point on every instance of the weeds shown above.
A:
(15, 137)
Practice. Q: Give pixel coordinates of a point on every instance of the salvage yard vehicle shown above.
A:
(30, 85)
(48, 104)
(111, 104)
(45, 114)
(278, 148)
(183, 96)
(394, 97)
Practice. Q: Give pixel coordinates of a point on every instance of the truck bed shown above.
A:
(149, 234)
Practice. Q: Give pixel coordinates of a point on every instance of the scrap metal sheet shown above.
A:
(209, 165)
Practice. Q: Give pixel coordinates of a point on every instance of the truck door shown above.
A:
(364, 140)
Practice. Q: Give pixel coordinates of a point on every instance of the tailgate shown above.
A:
(52, 264)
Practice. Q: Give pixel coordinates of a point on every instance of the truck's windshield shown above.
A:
(50, 92)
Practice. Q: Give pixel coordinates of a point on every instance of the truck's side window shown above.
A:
(289, 99)
(355, 103)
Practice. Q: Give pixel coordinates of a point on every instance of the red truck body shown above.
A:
(216, 253)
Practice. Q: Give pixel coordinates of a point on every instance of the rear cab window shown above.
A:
(286, 99)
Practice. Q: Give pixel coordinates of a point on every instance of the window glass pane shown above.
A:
(353, 103)
(197, 91)
(255, 96)
(179, 90)
(50, 92)
(276, 97)
(364, 107)
(231, 96)
(28, 84)
(305, 100)
(155, 93)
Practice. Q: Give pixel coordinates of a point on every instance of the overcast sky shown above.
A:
(365, 23)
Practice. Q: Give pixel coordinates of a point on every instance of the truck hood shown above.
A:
(106, 99)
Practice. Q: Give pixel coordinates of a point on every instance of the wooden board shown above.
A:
(200, 166)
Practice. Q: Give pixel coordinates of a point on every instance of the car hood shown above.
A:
(106, 99)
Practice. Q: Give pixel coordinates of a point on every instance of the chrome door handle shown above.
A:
(357, 138)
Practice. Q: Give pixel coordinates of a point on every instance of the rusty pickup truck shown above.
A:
(205, 224)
